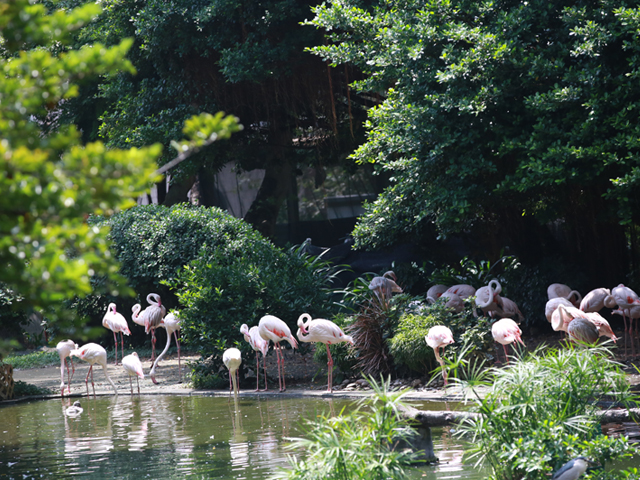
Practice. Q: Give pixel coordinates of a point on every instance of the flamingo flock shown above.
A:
(566, 310)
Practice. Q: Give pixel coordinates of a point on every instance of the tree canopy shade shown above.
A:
(51, 183)
(497, 112)
(243, 57)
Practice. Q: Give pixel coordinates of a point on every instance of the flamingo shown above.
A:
(93, 353)
(259, 344)
(505, 332)
(582, 330)
(553, 304)
(133, 366)
(625, 298)
(150, 318)
(384, 286)
(462, 290)
(564, 315)
(561, 290)
(506, 308)
(115, 322)
(171, 323)
(452, 301)
(596, 300)
(232, 358)
(438, 337)
(604, 329)
(486, 297)
(274, 329)
(74, 410)
(324, 331)
(64, 349)
(435, 291)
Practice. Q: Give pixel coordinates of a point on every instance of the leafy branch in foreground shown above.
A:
(369, 442)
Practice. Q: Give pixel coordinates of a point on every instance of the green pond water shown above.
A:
(174, 437)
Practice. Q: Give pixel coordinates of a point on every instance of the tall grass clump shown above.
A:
(541, 411)
(367, 443)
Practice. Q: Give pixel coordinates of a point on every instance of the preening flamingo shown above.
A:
(561, 290)
(259, 344)
(507, 308)
(171, 323)
(93, 353)
(582, 330)
(274, 329)
(486, 297)
(452, 301)
(115, 322)
(132, 365)
(462, 290)
(232, 358)
(438, 337)
(150, 318)
(324, 331)
(64, 349)
(505, 332)
(384, 286)
(435, 291)
(597, 299)
(553, 304)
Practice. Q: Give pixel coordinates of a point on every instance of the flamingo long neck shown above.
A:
(166, 347)
(106, 374)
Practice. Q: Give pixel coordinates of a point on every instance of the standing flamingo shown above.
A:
(625, 298)
(438, 337)
(274, 329)
(259, 344)
(561, 290)
(384, 286)
(232, 358)
(553, 304)
(505, 332)
(115, 322)
(582, 330)
(486, 297)
(597, 299)
(93, 353)
(171, 323)
(133, 366)
(322, 331)
(150, 318)
(64, 349)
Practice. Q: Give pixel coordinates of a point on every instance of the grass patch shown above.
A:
(33, 360)
(23, 389)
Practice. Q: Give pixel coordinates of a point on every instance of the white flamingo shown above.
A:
(486, 297)
(505, 331)
(232, 358)
(64, 349)
(171, 323)
(274, 329)
(553, 304)
(115, 322)
(324, 331)
(436, 290)
(93, 353)
(438, 337)
(561, 290)
(597, 299)
(133, 367)
(259, 344)
(150, 318)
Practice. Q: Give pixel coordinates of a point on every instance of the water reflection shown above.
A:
(172, 437)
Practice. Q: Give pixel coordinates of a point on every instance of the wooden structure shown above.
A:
(6, 381)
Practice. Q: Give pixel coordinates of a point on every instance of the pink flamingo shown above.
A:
(133, 367)
(625, 298)
(435, 291)
(486, 297)
(232, 358)
(553, 304)
(506, 308)
(171, 323)
(452, 301)
(150, 318)
(274, 329)
(93, 353)
(64, 349)
(462, 290)
(561, 290)
(505, 332)
(384, 286)
(259, 344)
(115, 322)
(596, 300)
(324, 331)
(438, 337)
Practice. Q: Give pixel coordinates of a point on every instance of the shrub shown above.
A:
(408, 346)
(23, 389)
(541, 411)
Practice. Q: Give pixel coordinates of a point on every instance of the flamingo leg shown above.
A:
(153, 345)
(506, 356)
(264, 365)
(175, 333)
(122, 346)
(138, 383)
(257, 373)
(115, 341)
(330, 370)
(131, 384)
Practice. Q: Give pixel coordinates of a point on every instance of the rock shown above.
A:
(416, 383)
(362, 382)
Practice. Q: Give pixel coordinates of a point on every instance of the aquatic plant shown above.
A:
(367, 443)
(541, 411)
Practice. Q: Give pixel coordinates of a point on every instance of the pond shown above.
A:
(163, 436)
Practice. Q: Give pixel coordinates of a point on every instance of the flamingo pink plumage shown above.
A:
(505, 331)
(171, 323)
(462, 290)
(561, 290)
(487, 297)
(64, 349)
(438, 337)
(132, 365)
(93, 353)
(553, 304)
(115, 322)
(259, 344)
(597, 299)
(274, 329)
(324, 331)
(150, 318)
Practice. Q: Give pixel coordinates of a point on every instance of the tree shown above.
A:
(496, 114)
(246, 58)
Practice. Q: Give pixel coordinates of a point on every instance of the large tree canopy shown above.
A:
(496, 112)
(245, 58)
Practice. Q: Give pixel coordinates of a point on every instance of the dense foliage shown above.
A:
(541, 411)
(496, 113)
